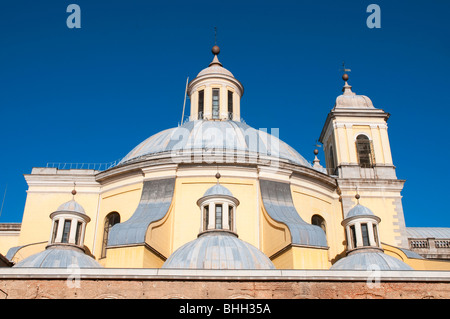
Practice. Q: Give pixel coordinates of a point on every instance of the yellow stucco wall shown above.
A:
(297, 257)
(383, 207)
(311, 199)
(416, 264)
(8, 241)
(36, 223)
(187, 214)
(123, 200)
(345, 131)
(132, 257)
(122, 194)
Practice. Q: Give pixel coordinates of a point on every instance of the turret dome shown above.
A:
(71, 206)
(218, 250)
(359, 210)
(350, 100)
(364, 260)
(59, 257)
(218, 190)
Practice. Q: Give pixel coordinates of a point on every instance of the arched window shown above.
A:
(205, 217)
(319, 221)
(365, 151)
(110, 220)
(365, 234)
(215, 103)
(230, 105)
(218, 216)
(66, 231)
(331, 158)
(201, 101)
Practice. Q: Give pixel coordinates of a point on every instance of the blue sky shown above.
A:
(92, 94)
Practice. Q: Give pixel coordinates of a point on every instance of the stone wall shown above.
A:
(148, 283)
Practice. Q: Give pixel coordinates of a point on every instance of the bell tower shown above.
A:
(355, 138)
(357, 152)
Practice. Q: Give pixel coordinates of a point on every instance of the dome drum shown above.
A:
(218, 210)
(68, 225)
(362, 230)
(215, 93)
(364, 250)
(65, 247)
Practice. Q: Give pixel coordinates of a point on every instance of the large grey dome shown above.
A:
(366, 260)
(218, 250)
(59, 257)
(204, 136)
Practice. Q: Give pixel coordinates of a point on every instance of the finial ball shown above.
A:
(316, 151)
(215, 50)
(357, 196)
(345, 77)
(74, 192)
(218, 175)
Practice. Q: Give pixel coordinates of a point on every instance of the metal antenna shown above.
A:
(4, 195)
(184, 103)
(74, 191)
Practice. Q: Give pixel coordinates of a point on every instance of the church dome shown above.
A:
(215, 69)
(71, 206)
(359, 210)
(203, 137)
(59, 257)
(218, 250)
(218, 190)
(353, 101)
(349, 99)
(365, 260)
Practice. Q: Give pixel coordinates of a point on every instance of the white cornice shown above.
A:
(229, 274)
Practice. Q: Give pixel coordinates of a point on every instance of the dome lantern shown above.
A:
(364, 250)
(215, 93)
(68, 225)
(361, 226)
(65, 247)
(218, 209)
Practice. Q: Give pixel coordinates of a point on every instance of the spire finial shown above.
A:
(357, 195)
(215, 49)
(218, 177)
(345, 70)
(347, 89)
(74, 192)
(215, 35)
